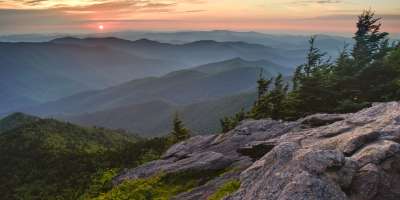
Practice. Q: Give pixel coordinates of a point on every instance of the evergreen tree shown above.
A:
(276, 97)
(315, 63)
(312, 82)
(270, 104)
(370, 42)
(370, 72)
(296, 78)
(387, 78)
(179, 132)
(370, 75)
(262, 85)
(314, 58)
(226, 124)
(229, 123)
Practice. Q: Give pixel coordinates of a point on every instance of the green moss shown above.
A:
(225, 190)
(101, 182)
(159, 187)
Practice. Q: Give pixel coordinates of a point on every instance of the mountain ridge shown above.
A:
(75, 65)
(201, 118)
(179, 89)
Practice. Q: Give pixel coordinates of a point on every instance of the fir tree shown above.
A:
(370, 72)
(179, 132)
(277, 97)
(229, 123)
(262, 85)
(370, 42)
(311, 82)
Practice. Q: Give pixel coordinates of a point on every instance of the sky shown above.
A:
(286, 16)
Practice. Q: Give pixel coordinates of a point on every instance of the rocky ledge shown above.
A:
(324, 156)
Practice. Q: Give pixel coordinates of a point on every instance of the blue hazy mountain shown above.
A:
(328, 42)
(38, 72)
(153, 118)
(181, 87)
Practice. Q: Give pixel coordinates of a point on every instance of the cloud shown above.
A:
(88, 9)
(34, 2)
(353, 17)
(327, 1)
(194, 11)
(310, 2)
(114, 8)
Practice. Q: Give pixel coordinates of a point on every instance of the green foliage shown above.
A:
(228, 188)
(312, 81)
(47, 159)
(369, 73)
(371, 44)
(271, 103)
(179, 132)
(228, 123)
(100, 183)
(161, 187)
(262, 85)
(391, 78)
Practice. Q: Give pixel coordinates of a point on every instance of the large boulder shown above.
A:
(324, 156)
(354, 158)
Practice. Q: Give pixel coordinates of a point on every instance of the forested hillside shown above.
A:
(47, 159)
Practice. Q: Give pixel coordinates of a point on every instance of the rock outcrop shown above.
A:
(347, 156)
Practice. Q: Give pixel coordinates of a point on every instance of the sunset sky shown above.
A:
(293, 16)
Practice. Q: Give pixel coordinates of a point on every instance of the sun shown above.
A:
(101, 27)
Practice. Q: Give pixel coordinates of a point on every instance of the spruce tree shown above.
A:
(229, 123)
(371, 76)
(311, 82)
(370, 42)
(226, 124)
(262, 85)
(179, 132)
(277, 96)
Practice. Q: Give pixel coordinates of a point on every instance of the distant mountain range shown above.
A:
(329, 43)
(182, 37)
(40, 72)
(181, 87)
(190, 54)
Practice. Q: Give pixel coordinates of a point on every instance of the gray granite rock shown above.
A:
(347, 156)
(348, 159)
